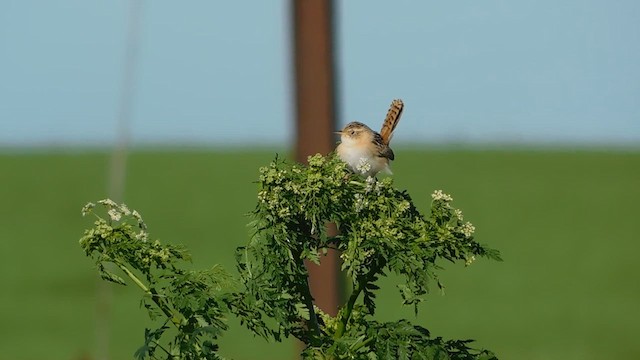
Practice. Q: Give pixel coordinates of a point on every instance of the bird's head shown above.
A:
(354, 131)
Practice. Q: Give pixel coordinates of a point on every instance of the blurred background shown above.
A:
(528, 113)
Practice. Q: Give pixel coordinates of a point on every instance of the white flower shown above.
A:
(136, 215)
(458, 214)
(142, 235)
(125, 210)
(363, 166)
(108, 202)
(87, 208)
(370, 183)
(361, 202)
(467, 229)
(470, 260)
(439, 195)
(114, 214)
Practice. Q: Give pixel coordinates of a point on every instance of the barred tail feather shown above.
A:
(391, 121)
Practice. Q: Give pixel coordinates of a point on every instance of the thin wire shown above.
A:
(118, 164)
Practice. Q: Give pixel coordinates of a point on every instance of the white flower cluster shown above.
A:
(108, 202)
(116, 213)
(458, 214)
(361, 202)
(470, 260)
(125, 210)
(87, 208)
(136, 215)
(142, 235)
(363, 166)
(467, 229)
(143, 227)
(439, 195)
(372, 184)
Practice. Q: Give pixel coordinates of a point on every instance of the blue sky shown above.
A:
(216, 73)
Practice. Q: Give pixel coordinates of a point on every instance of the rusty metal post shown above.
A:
(315, 114)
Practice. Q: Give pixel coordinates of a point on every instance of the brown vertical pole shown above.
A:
(315, 116)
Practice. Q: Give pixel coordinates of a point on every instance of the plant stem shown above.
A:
(342, 325)
(163, 349)
(133, 277)
(154, 296)
(357, 289)
(313, 319)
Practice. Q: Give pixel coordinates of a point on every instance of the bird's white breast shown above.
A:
(352, 152)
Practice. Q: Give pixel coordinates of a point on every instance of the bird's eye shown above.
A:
(352, 132)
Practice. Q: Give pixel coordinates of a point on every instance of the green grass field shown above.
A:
(567, 224)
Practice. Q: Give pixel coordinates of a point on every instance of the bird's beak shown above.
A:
(338, 132)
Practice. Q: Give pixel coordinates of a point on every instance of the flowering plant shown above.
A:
(380, 231)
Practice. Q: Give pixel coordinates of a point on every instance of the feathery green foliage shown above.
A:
(380, 231)
(191, 302)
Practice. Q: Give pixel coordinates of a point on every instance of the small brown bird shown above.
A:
(366, 151)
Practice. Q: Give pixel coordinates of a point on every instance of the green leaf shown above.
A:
(111, 277)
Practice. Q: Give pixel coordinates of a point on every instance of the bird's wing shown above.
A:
(383, 149)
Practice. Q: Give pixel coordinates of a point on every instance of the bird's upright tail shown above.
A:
(391, 121)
